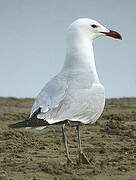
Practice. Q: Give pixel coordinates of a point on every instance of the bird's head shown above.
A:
(92, 29)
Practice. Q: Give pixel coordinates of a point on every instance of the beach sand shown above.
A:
(109, 144)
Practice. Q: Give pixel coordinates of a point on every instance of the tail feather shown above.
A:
(36, 128)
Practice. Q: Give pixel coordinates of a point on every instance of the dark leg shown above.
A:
(65, 143)
(82, 156)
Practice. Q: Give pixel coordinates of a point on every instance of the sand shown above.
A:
(109, 144)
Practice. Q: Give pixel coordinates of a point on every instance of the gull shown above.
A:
(75, 94)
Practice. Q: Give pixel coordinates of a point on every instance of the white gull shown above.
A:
(75, 94)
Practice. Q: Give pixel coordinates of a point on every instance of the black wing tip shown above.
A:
(30, 122)
(19, 125)
(13, 126)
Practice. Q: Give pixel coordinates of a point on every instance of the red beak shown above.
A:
(113, 34)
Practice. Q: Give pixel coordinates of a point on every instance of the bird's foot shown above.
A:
(83, 159)
(69, 161)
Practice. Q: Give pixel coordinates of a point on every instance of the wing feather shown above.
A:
(51, 95)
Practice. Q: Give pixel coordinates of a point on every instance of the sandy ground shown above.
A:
(109, 144)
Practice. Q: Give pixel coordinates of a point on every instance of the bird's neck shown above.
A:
(80, 56)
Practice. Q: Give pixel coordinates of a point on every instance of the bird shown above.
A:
(75, 94)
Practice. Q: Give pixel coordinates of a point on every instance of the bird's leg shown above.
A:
(65, 143)
(82, 157)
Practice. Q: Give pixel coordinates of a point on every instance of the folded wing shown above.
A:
(51, 95)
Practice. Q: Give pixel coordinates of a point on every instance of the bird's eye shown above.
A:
(94, 26)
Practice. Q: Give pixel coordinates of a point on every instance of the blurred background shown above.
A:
(32, 44)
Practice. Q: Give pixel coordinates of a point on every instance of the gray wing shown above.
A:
(51, 95)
